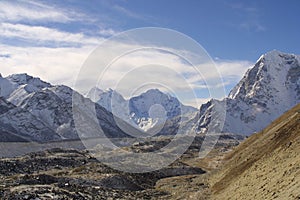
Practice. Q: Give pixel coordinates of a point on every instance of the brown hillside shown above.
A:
(265, 166)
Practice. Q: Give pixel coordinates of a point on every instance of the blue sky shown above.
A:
(51, 39)
(227, 29)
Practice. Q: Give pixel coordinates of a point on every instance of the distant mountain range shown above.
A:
(34, 110)
(145, 111)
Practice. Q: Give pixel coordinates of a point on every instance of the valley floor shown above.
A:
(75, 174)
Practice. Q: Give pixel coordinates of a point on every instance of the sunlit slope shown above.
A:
(266, 165)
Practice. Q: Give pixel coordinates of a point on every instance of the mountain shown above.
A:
(268, 89)
(264, 166)
(145, 111)
(39, 111)
(104, 98)
(17, 86)
(33, 106)
(18, 124)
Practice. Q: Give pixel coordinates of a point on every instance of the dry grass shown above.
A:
(265, 166)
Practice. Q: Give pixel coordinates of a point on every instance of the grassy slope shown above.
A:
(265, 166)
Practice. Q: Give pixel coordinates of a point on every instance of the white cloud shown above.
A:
(228, 70)
(135, 15)
(44, 34)
(251, 17)
(127, 12)
(196, 102)
(31, 10)
(233, 70)
(55, 65)
(253, 25)
(107, 32)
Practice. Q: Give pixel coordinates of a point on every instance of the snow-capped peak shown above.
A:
(268, 89)
(42, 112)
(138, 110)
(109, 90)
(144, 101)
(108, 98)
(16, 87)
(272, 70)
(154, 93)
(94, 94)
(24, 78)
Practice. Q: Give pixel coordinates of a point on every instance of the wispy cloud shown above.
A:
(107, 32)
(44, 34)
(250, 17)
(252, 25)
(23, 11)
(29, 21)
(55, 65)
(134, 15)
(127, 12)
(233, 70)
(196, 101)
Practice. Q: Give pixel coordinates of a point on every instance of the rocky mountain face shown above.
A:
(38, 111)
(108, 99)
(18, 124)
(144, 111)
(268, 89)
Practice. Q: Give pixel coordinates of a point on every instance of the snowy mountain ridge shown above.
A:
(268, 89)
(145, 111)
(39, 111)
